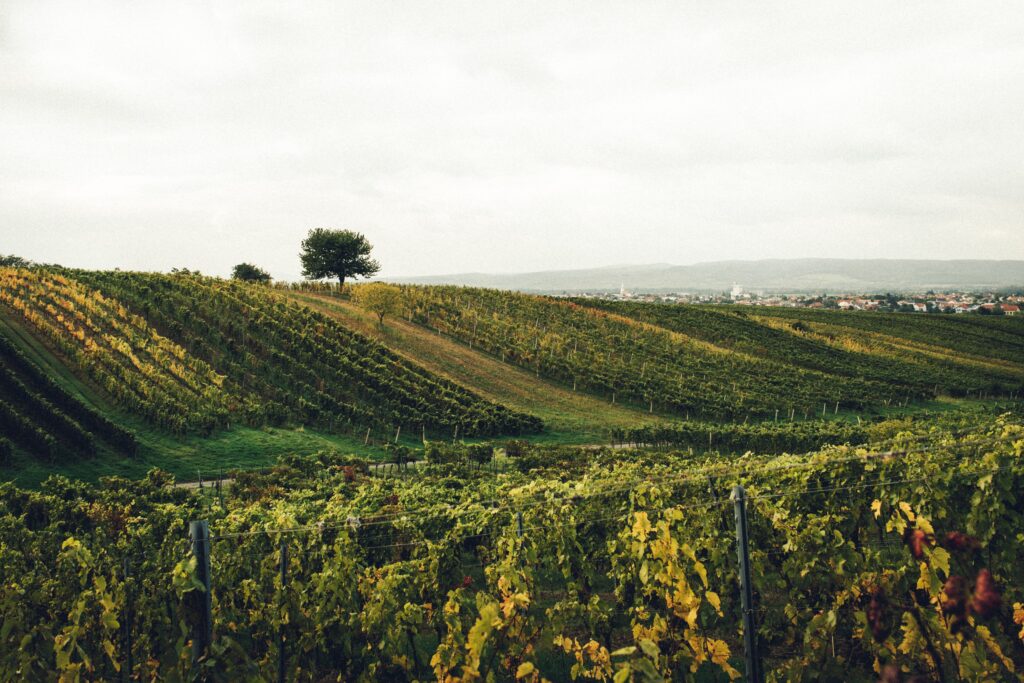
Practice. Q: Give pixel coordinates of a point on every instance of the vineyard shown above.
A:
(709, 364)
(978, 336)
(802, 340)
(141, 370)
(888, 548)
(899, 557)
(44, 419)
(771, 437)
(293, 364)
(192, 355)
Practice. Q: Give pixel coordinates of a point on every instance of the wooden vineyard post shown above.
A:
(282, 658)
(202, 624)
(126, 670)
(739, 499)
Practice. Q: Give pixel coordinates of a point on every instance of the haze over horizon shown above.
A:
(501, 138)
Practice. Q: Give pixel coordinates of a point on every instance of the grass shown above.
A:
(189, 456)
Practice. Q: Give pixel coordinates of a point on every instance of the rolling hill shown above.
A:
(115, 372)
(205, 373)
(776, 275)
(724, 363)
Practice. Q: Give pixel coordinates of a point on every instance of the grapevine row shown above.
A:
(590, 566)
(630, 361)
(304, 365)
(129, 360)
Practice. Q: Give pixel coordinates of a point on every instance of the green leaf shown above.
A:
(650, 648)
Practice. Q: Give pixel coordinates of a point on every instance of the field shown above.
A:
(557, 504)
(575, 564)
(565, 412)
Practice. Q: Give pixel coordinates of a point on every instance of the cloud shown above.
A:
(509, 136)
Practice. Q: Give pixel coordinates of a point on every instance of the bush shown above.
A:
(440, 453)
(516, 448)
(480, 453)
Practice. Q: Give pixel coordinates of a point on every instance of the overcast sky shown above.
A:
(504, 137)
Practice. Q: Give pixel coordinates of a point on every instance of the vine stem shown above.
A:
(936, 657)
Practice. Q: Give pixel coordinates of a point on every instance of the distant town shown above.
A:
(950, 302)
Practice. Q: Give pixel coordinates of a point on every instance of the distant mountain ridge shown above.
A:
(805, 275)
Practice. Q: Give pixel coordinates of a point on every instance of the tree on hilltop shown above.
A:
(250, 273)
(336, 253)
(380, 299)
(12, 261)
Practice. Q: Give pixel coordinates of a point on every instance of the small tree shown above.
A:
(12, 261)
(380, 299)
(250, 273)
(336, 253)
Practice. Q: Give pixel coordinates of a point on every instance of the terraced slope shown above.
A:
(619, 358)
(907, 355)
(40, 417)
(287, 363)
(143, 371)
(988, 337)
(562, 409)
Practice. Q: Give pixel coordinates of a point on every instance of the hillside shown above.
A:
(288, 363)
(781, 275)
(206, 374)
(950, 355)
(621, 359)
(39, 416)
(722, 362)
(575, 414)
(115, 372)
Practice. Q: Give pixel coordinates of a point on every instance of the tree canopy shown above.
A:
(380, 299)
(336, 253)
(12, 261)
(250, 273)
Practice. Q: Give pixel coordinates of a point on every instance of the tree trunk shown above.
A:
(341, 283)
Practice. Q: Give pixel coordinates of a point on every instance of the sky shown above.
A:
(509, 137)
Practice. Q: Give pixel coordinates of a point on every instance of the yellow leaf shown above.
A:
(716, 602)
(108, 647)
(701, 572)
(925, 526)
(641, 526)
(720, 655)
(993, 646)
(924, 580)
(939, 558)
(907, 511)
(524, 670)
(876, 507)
